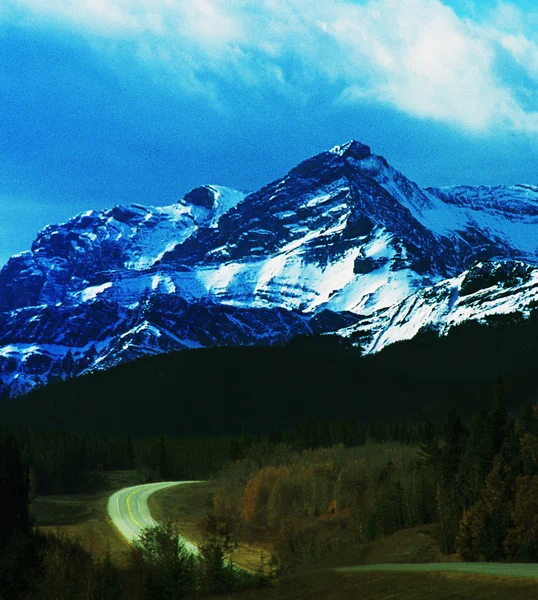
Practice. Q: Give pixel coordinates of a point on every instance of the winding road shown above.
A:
(129, 510)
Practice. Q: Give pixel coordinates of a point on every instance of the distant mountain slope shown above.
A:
(486, 290)
(96, 250)
(342, 243)
(230, 390)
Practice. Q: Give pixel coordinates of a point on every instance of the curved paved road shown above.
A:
(129, 511)
(128, 508)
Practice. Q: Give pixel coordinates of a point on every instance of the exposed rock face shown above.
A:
(342, 243)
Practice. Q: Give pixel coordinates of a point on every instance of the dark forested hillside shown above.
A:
(229, 390)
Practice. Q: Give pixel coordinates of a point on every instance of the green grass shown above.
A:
(329, 585)
(186, 505)
(83, 517)
(496, 569)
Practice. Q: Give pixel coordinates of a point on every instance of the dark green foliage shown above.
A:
(510, 452)
(168, 568)
(527, 552)
(450, 456)
(477, 459)
(499, 416)
(35, 566)
(463, 479)
(14, 490)
(20, 565)
(493, 533)
(108, 582)
(63, 462)
(216, 574)
(168, 571)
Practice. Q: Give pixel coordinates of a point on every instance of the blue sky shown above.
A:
(106, 102)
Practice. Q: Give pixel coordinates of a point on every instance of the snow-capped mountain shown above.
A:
(342, 243)
(80, 259)
(486, 290)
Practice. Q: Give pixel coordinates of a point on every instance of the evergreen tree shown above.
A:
(485, 525)
(14, 490)
(448, 497)
(476, 460)
(499, 416)
(130, 454)
(169, 569)
(453, 447)
(525, 421)
(107, 581)
(235, 450)
(164, 465)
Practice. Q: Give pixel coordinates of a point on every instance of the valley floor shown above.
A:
(350, 574)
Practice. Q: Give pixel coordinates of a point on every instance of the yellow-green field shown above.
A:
(328, 585)
(83, 517)
(186, 505)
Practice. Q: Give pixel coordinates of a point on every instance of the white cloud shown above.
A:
(417, 56)
(423, 59)
(507, 17)
(523, 51)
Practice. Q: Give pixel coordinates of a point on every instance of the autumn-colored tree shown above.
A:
(252, 500)
(256, 495)
(521, 541)
(284, 499)
(484, 526)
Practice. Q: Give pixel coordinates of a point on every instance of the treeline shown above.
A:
(221, 391)
(61, 462)
(477, 482)
(488, 478)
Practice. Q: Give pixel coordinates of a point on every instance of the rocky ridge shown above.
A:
(343, 243)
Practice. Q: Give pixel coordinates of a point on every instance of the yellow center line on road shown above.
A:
(129, 509)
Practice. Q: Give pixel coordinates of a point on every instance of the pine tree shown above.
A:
(499, 416)
(453, 448)
(130, 454)
(14, 490)
(164, 465)
(521, 543)
(449, 505)
(525, 421)
(484, 526)
(476, 460)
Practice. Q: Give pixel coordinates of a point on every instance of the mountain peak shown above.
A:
(203, 196)
(352, 149)
(343, 232)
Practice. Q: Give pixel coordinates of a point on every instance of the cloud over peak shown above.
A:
(419, 56)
